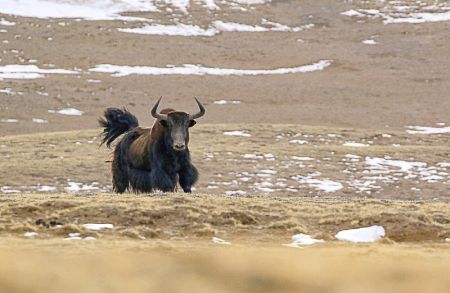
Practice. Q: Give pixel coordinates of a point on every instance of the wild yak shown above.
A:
(150, 159)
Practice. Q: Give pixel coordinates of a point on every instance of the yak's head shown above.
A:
(176, 125)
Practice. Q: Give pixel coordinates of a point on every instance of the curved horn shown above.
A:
(200, 113)
(156, 114)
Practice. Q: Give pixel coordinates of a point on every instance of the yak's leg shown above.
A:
(140, 180)
(119, 171)
(188, 176)
(162, 181)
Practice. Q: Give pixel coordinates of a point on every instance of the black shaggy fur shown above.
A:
(144, 159)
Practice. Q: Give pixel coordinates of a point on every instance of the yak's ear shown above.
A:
(163, 123)
(192, 123)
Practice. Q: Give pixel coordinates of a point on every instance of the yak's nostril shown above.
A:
(179, 146)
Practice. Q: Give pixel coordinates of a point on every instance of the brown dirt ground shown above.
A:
(402, 81)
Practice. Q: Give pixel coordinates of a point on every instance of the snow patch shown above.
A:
(303, 239)
(217, 240)
(68, 111)
(86, 9)
(190, 69)
(355, 144)
(428, 130)
(171, 30)
(29, 71)
(237, 133)
(30, 234)
(97, 227)
(362, 235)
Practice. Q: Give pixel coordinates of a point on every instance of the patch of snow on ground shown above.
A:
(324, 184)
(235, 192)
(9, 120)
(68, 111)
(224, 102)
(237, 133)
(362, 235)
(302, 158)
(171, 30)
(77, 187)
(30, 234)
(369, 42)
(7, 189)
(303, 239)
(29, 71)
(427, 130)
(97, 227)
(217, 240)
(355, 144)
(6, 23)
(39, 120)
(86, 9)
(190, 69)
(45, 188)
(403, 14)
(403, 165)
(298, 141)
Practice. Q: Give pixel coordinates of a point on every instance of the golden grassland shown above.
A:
(54, 158)
(162, 242)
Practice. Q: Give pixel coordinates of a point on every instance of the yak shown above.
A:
(150, 159)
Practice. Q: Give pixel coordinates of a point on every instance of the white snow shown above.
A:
(85, 9)
(211, 5)
(303, 239)
(366, 234)
(353, 13)
(7, 91)
(30, 234)
(39, 120)
(369, 42)
(298, 141)
(355, 144)
(302, 158)
(420, 18)
(76, 187)
(403, 165)
(235, 192)
(224, 102)
(428, 130)
(171, 30)
(217, 240)
(237, 27)
(190, 69)
(6, 23)
(237, 133)
(319, 184)
(45, 188)
(7, 189)
(29, 71)
(97, 227)
(9, 120)
(68, 111)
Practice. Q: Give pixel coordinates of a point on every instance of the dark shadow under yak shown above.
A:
(150, 159)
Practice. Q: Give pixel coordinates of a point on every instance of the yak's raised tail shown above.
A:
(116, 122)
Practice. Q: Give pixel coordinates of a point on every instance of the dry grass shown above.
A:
(55, 158)
(131, 266)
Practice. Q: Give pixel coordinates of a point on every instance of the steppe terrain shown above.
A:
(321, 116)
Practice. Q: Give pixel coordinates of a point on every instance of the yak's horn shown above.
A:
(200, 113)
(156, 114)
